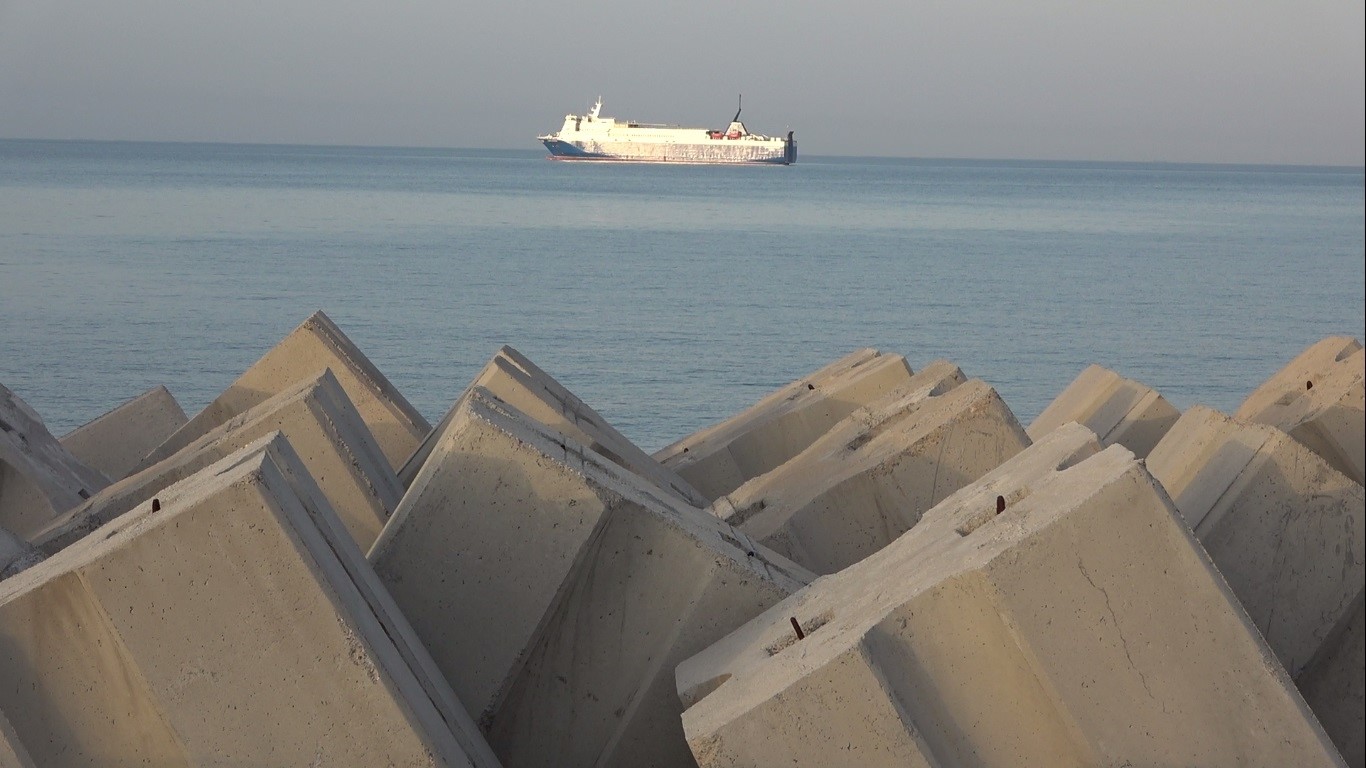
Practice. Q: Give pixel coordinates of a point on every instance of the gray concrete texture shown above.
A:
(1119, 410)
(870, 478)
(1318, 399)
(16, 554)
(236, 625)
(115, 442)
(1080, 625)
(1287, 532)
(317, 418)
(557, 590)
(513, 378)
(12, 752)
(316, 344)
(1332, 685)
(720, 458)
(39, 479)
(546, 594)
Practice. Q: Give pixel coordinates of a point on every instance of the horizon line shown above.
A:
(931, 158)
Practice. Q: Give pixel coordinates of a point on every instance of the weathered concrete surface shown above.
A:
(720, 458)
(557, 590)
(1332, 684)
(1082, 625)
(16, 554)
(12, 751)
(1319, 399)
(320, 423)
(115, 442)
(513, 378)
(1288, 532)
(239, 624)
(313, 346)
(1117, 409)
(39, 479)
(870, 478)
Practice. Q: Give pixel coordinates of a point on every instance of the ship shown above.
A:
(594, 137)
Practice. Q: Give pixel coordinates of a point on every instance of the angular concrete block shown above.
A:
(1286, 530)
(237, 624)
(513, 378)
(557, 589)
(318, 420)
(16, 554)
(313, 346)
(1335, 688)
(1284, 527)
(870, 478)
(12, 752)
(1080, 625)
(1117, 409)
(720, 458)
(39, 479)
(1311, 364)
(115, 442)
(1319, 400)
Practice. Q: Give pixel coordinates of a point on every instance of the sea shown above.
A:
(666, 297)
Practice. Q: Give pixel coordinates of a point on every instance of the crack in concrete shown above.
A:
(1115, 621)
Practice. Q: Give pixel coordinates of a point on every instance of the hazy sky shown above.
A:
(1257, 81)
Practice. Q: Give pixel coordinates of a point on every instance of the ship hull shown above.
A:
(718, 152)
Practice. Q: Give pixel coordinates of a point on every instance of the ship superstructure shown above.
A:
(594, 137)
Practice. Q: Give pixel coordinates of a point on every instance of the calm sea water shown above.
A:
(666, 297)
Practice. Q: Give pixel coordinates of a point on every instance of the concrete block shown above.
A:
(870, 478)
(1286, 530)
(12, 752)
(720, 458)
(115, 442)
(1335, 688)
(313, 346)
(318, 420)
(1081, 624)
(237, 624)
(1117, 409)
(39, 479)
(16, 554)
(557, 589)
(1319, 400)
(513, 378)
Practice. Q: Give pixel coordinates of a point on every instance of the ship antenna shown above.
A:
(741, 106)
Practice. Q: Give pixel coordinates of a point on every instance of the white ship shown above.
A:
(594, 137)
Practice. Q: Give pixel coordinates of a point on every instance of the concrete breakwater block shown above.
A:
(12, 752)
(1332, 685)
(316, 344)
(557, 590)
(115, 442)
(1117, 409)
(39, 479)
(1286, 529)
(321, 424)
(720, 458)
(16, 554)
(870, 478)
(513, 378)
(1073, 620)
(1319, 399)
(237, 623)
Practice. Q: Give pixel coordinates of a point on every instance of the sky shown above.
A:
(1218, 81)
